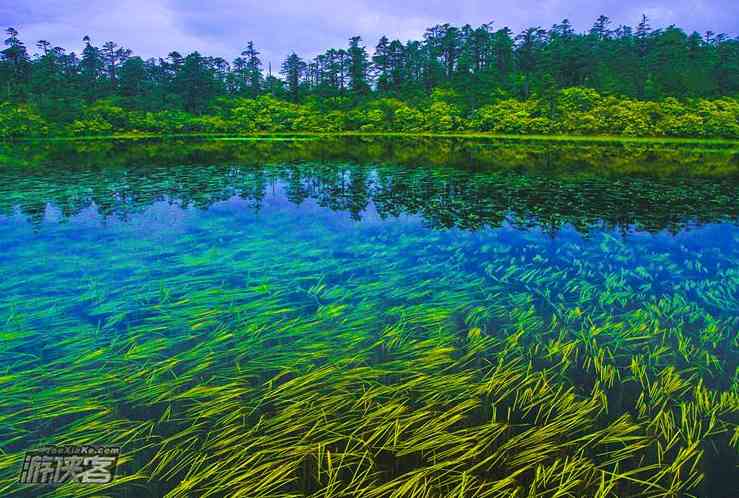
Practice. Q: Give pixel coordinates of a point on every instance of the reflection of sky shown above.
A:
(166, 217)
(117, 258)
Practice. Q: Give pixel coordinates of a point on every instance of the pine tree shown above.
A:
(294, 69)
(252, 70)
(358, 66)
(91, 67)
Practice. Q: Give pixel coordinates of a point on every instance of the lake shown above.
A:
(373, 316)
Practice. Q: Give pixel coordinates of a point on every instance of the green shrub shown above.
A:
(20, 121)
(578, 111)
(87, 127)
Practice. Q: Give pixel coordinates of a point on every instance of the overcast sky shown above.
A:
(153, 28)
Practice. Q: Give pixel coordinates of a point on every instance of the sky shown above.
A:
(153, 28)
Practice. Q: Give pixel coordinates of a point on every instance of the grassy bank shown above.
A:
(278, 136)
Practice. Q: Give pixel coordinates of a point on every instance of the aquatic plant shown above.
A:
(238, 343)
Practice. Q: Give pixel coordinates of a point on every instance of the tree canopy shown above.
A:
(463, 71)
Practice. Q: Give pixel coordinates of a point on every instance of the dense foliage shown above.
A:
(629, 81)
(576, 111)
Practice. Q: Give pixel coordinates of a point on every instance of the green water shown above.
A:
(356, 317)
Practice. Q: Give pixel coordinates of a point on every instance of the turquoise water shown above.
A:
(239, 265)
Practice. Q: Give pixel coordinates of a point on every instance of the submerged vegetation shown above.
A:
(285, 319)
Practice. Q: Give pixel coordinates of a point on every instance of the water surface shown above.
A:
(198, 289)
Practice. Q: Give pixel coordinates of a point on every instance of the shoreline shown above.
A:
(291, 136)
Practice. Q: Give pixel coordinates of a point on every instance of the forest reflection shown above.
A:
(463, 183)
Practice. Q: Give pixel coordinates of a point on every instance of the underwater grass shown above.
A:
(266, 353)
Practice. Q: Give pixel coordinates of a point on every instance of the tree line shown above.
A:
(477, 66)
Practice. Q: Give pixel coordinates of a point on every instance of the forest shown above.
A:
(607, 80)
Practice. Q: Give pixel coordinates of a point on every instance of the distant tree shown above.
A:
(643, 32)
(457, 70)
(132, 80)
(529, 55)
(113, 56)
(503, 53)
(567, 58)
(252, 70)
(195, 83)
(600, 29)
(726, 67)
(91, 69)
(43, 45)
(173, 64)
(16, 65)
(293, 69)
(381, 64)
(358, 66)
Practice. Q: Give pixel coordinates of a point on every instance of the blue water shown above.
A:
(104, 251)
